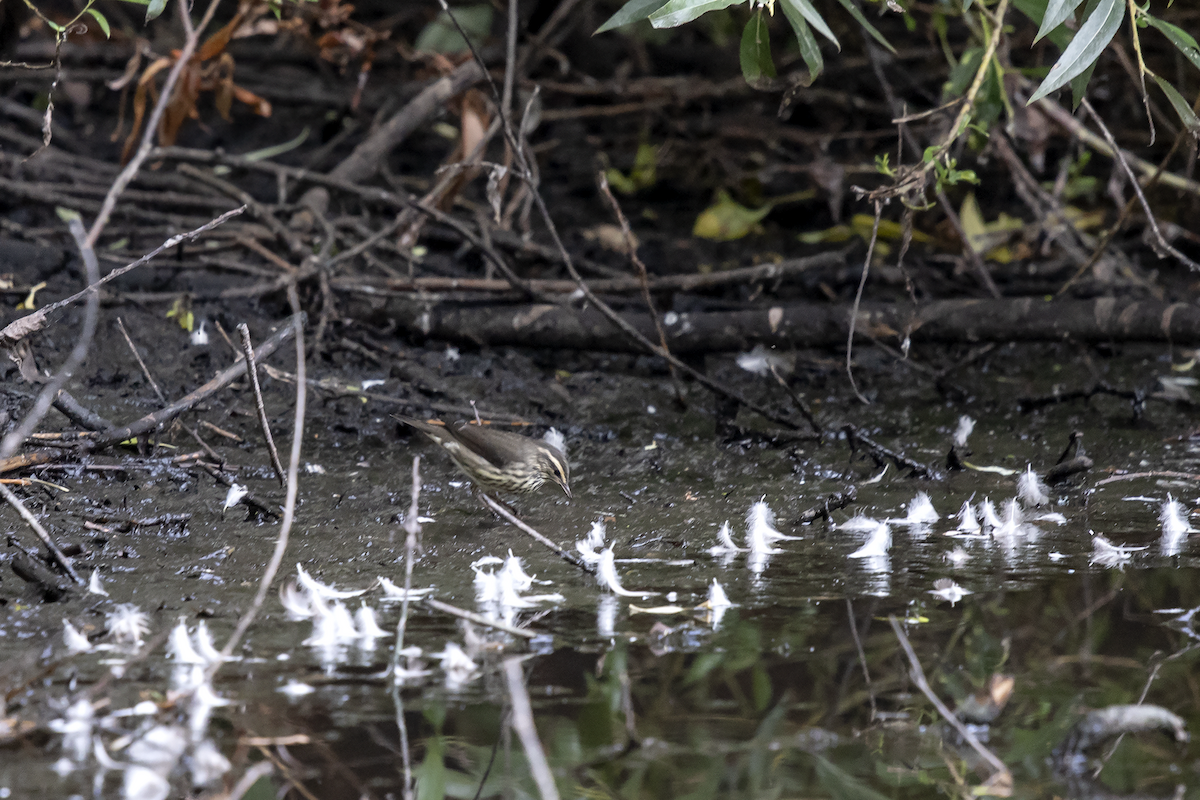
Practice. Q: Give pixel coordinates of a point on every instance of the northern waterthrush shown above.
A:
(499, 460)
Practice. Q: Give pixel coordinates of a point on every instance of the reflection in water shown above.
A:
(876, 572)
(1175, 527)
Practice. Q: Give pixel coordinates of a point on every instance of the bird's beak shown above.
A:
(566, 489)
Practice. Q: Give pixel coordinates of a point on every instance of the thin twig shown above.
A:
(1119, 154)
(643, 276)
(1064, 118)
(969, 250)
(289, 506)
(223, 379)
(161, 397)
(23, 326)
(862, 282)
(31, 520)
(145, 370)
(526, 174)
(248, 350)
(1137, 476)
(17, 436)
(499, 508)
(151, 130)
(805, 411)
(281, 231)
(522, 722)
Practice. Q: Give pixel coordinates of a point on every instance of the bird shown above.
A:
(501, 460)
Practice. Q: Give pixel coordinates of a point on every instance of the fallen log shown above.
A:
(797, 324)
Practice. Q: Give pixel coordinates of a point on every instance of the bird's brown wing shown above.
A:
(498, 447)
(435, 431)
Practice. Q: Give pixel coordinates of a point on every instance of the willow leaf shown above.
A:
(810, 51)
(804, 8)
(1093, 36)
(1057, 12)
(633, 11)
(1182, 107)
(679, 12)
(1183, 41)
(858, 15)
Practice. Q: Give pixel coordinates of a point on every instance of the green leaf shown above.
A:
(1093, 36)
(643, 175)
(1184, 41)
(633, 11)
(1036, 11)
(804, 8)
(755, 52)
(441, 35)
(962, 74)
(1182, 107)
(678, 12)
(1057, 12)
(858, 15)
(155, 8)
(101, 21)
(810, 51)
(1080, 83)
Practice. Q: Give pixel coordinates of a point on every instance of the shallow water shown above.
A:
(768, 699)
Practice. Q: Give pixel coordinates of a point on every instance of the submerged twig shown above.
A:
(862, 656)
(478, 619)
(499, 508)
(918, 677)
(1160, 473)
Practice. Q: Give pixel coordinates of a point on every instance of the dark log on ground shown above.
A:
(798, 324)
